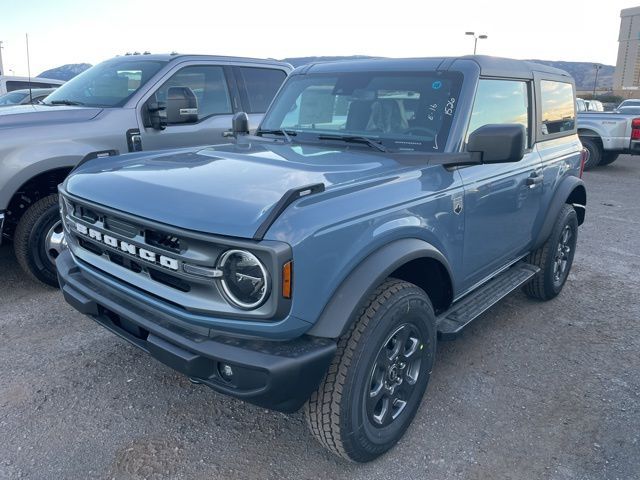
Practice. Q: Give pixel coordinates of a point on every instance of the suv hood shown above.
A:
(18, 115)
(225, 190)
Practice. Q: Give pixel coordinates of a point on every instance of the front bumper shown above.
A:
(275, 375)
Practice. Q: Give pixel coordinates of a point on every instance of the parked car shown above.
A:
(606, 135)
(11, 83)
(380, 205)
(631, 102)
(629, 110)
(127, 104)
(25, 97)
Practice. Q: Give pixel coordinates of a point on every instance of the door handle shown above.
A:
(534, 179)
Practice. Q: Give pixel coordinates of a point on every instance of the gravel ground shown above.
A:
(531, 390)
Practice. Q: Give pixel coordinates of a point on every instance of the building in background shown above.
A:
(626, 80)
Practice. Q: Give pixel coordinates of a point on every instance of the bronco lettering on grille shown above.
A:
(126, 247)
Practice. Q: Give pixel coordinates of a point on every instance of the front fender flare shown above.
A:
(363, 280)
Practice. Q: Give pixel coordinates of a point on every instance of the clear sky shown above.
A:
(68, 31)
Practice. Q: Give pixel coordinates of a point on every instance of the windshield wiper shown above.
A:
(64, 102)
(354, 139)
(287, 134)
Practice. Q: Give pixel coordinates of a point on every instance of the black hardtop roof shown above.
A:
(489, 66)
(170, 57)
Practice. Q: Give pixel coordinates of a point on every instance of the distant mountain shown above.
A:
(65, 72)
(584, 73)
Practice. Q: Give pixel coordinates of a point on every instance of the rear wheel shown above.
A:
(595, 152)
(555, 257)
(39, 239)
(377, 379)
(608, 158)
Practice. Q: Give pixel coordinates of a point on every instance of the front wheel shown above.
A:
(377, 379)
(39, 239)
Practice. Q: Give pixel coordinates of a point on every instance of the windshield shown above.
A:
(12, 98)
(400, 110)
(109, 84)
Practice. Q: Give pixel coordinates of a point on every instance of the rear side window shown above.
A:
(500, 101)
(19, 85)
(558, 107)
(261, 85)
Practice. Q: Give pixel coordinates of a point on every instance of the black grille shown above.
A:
(92, 247)
(169, 280)
(162, 240)
(124, 262)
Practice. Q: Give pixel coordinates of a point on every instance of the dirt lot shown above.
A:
(531, 390)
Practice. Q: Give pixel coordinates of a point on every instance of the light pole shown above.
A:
(595, 81)
(475, 39)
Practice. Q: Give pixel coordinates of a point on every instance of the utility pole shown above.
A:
(475, 39)
(595, 81)
(1, 66)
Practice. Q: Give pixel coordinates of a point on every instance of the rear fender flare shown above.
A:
(566, 189)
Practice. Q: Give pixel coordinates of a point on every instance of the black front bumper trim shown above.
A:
(272, 374)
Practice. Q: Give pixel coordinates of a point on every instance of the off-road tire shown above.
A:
(595, 152)
(28, 240)
(336, 412)
(543, 286)
(608, 158)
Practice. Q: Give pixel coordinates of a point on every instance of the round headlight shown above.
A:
(245, 280)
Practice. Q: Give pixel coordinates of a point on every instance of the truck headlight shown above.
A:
(245, 280)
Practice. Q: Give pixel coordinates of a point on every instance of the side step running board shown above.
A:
(463, 312)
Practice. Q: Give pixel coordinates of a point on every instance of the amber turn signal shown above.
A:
(287, 274)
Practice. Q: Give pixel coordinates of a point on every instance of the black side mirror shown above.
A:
(182, 105)
(157, 115)
(498, 143)
(240, 124)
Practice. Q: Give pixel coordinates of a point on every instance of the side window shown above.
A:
(209, 85)
(500, 101)
(16, 85)
(558, 107)
(261, 85)
(21, 85)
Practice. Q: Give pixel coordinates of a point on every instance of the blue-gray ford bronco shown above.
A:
(380, 206)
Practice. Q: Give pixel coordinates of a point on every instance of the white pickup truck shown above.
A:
(608, 134)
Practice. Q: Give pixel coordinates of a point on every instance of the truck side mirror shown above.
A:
(182, 105)
(157, 115)
(498, 143)
(240, 124)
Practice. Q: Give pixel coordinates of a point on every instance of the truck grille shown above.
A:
(144, 255)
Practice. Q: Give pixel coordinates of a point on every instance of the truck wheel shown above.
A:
(377, 379)
(608, 158)
(39, 239)
(595, 152)
(555, 257)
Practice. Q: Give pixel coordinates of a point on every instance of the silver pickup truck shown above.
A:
(608, 134)
(126, 104)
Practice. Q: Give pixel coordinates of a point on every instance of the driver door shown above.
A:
(210, 86)
(501, 201)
